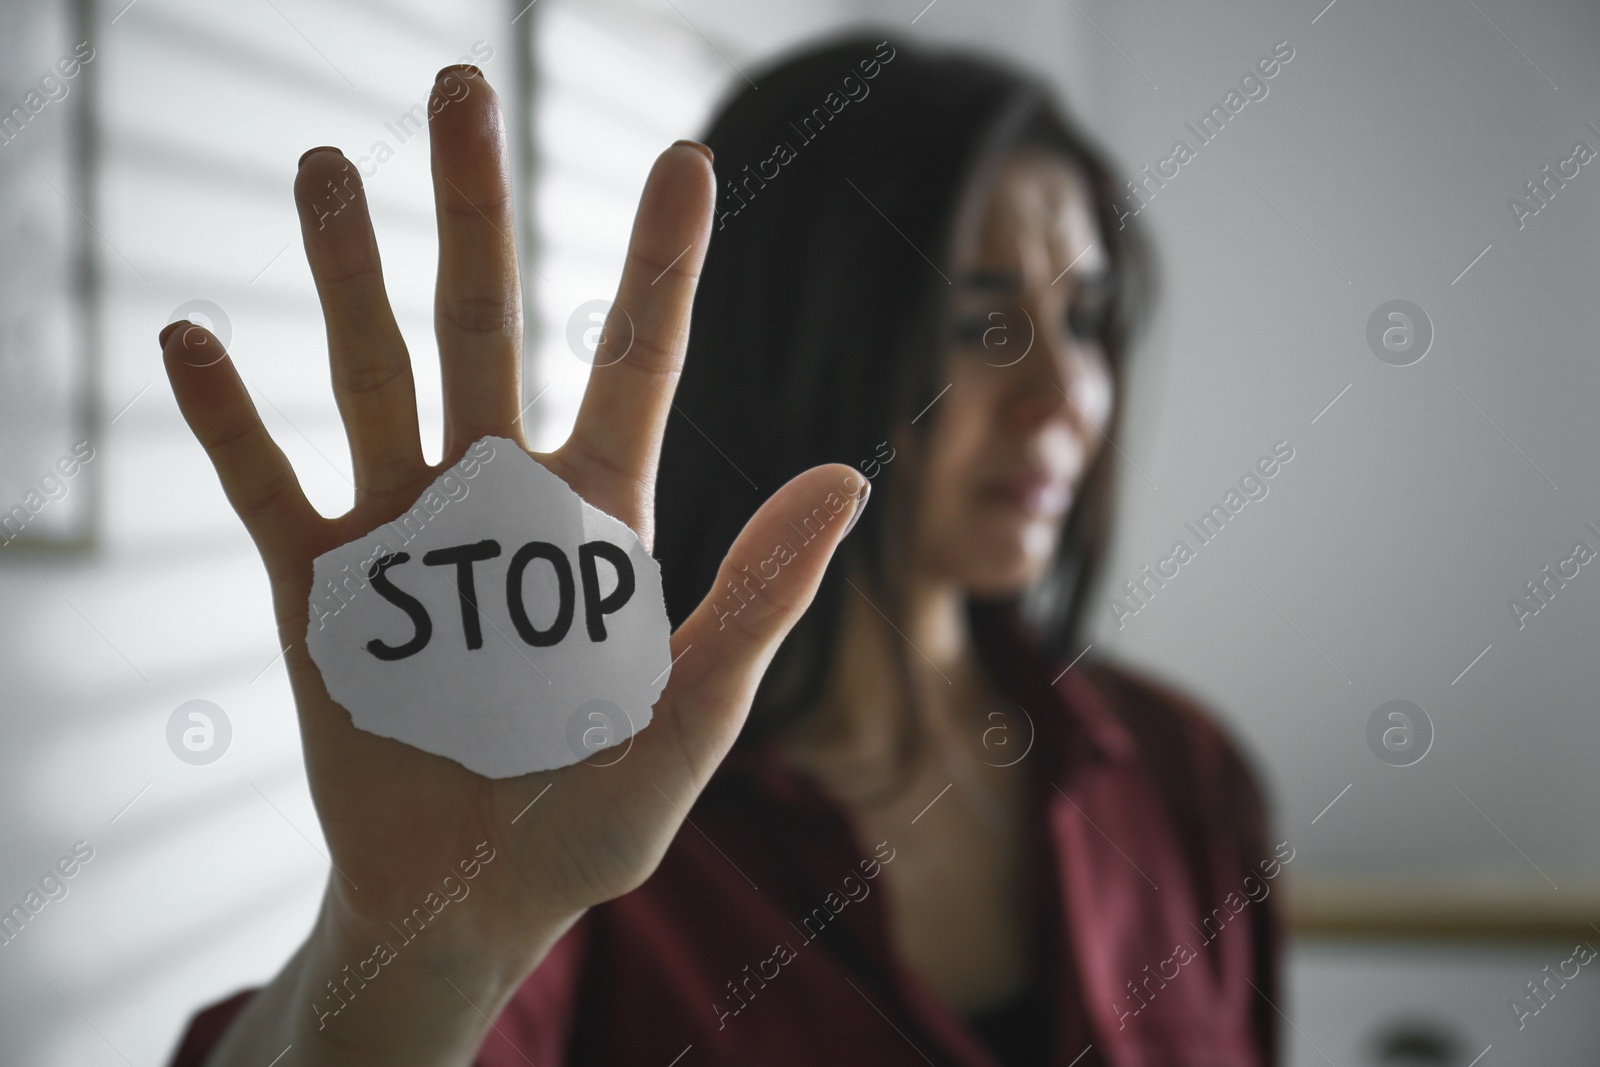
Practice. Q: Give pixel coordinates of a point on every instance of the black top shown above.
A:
(1018, 1031)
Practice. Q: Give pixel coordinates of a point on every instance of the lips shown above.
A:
(1035, 493)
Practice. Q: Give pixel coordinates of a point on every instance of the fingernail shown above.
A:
(695, 144)
(861, 505)
(319, 148)
(166, 331)
(459, 68)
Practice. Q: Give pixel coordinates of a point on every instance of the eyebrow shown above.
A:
(992, 281)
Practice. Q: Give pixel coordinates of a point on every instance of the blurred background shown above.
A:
(1423, 152)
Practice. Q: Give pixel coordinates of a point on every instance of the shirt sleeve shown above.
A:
(1247, 817)
(1241, 826)
(1222, 812)
(206, 1028)
(536, 1025)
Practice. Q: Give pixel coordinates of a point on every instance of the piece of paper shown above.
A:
(502, 621)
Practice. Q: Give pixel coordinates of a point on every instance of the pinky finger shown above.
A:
(255, 474)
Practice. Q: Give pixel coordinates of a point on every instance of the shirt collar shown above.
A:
(1066, 700)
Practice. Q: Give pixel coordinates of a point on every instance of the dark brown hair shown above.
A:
(820, 322)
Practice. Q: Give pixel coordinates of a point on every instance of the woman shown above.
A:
(919, 831)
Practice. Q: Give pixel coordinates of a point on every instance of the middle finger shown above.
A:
(477, 311)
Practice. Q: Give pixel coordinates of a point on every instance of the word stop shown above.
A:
(463, 557)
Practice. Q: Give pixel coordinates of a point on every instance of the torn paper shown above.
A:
(502, 621)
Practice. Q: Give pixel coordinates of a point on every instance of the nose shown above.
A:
(1052, 374)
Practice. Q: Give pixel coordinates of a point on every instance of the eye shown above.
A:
(988, 330)
(1089, 319)
(969, 330)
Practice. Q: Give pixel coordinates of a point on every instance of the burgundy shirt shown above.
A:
(772, 945)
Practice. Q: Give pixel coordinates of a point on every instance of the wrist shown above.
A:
(363, 992)
(479, 947)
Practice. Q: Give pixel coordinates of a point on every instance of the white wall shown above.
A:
(1379, 166)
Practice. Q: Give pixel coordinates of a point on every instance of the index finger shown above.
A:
(256, 476)
(616, 440)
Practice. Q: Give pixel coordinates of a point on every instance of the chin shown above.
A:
(1007, 568)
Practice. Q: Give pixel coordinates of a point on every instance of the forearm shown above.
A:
(429, 1005)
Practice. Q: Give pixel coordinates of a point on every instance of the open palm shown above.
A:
(397, 819)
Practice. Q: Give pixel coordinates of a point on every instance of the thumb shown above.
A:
(765, 583)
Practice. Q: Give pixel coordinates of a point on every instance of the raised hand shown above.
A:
(396, 818)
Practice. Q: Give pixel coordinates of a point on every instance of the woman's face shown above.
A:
(1029, 393)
